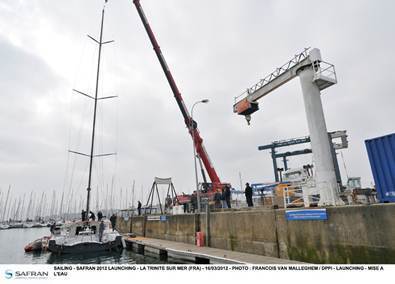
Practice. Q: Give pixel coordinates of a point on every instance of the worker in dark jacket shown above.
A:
(99, 216)
(194, 202)
(92, 216)
(227, 195)
(83, 215)
(248, 194)
(139, 208)
(113, 220)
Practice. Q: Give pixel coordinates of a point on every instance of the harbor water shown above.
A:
(13, 242)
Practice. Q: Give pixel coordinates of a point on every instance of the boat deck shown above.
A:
(195, 254)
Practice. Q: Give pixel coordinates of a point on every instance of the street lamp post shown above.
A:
(194, 150)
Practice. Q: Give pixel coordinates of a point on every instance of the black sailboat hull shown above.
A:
(86, 247)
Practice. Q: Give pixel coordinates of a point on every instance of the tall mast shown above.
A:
(134, 183)
(61, 205)
(40, 209)
(17, 208)
(95, 98)
(94, 115)
(30, 210)
(22, 208)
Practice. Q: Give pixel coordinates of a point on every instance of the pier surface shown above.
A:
(203, 255)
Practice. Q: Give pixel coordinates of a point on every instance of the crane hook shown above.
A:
(248, 118)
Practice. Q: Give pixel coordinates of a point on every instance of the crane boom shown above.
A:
(191, 125)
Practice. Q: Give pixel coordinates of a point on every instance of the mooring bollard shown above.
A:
(140, 249)
(163, 255)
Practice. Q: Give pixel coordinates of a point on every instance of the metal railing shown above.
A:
(324, 69)
(293, 196)
(278, 72)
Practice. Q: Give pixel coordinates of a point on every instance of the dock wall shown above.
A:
(178, 228)
(250, 231)
(352, 234)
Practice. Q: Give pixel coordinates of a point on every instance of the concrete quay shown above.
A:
(200, 255)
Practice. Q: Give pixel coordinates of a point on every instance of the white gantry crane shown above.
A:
(315, 75)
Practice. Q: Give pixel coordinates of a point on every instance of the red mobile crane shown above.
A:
(191, 125)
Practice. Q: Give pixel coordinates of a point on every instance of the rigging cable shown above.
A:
(344, 164)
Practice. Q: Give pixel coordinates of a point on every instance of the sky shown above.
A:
(216, 49)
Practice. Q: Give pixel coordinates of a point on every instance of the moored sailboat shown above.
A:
(88, 236)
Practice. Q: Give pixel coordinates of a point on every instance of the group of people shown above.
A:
(170, 202)
(222, 198)
(91, 216)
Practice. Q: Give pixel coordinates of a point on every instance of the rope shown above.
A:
(344, 164)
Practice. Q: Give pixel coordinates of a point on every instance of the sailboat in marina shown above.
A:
(86, 235)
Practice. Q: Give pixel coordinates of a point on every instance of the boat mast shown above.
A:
(28, 206)
(20, 215)
(100, 42)
(61, 205)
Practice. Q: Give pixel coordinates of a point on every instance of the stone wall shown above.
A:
(251, 231)
(137, 225)
(352, 234)
(179, 228)
(123, 225)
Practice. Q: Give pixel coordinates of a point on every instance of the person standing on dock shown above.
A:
(113, 220)
(248, 194)
(139, 207)
(227, 196)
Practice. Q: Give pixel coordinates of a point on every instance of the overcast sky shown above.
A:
(215, 49)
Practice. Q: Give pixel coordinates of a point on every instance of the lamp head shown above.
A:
(205, 101)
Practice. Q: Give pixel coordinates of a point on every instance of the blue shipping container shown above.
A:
(381, 152)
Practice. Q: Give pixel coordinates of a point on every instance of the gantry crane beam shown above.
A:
(247, 102)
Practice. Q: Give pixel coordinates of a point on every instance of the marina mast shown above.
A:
(91, 155)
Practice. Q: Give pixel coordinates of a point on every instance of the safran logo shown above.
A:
(8, 274)
(19, 274)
